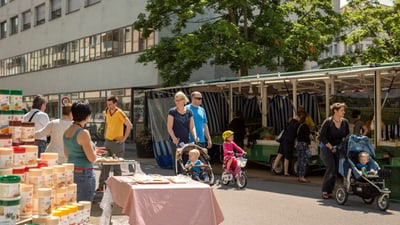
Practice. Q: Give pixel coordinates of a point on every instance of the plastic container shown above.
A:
(26, 206)
(27, 132)
(66, 214)
(61, 216)
(69, 172)
(31, 155)
(73, 209)
(18, 115)
(4, 99)
(39, 220)
(9, 186)
(18, 157)
(51, 158)
(21, 173)
(9, 211)
(44, 202)
(6, 158)
(5, 140)
(61, 196)
(79, 214)
(16, 99)
(47, 177)
(59, 176)
(86, 211)
(14, 127)
(8, 171)
(35, 178)
(5, 116)
(71, 193)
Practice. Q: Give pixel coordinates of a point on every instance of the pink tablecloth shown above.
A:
(164, 204)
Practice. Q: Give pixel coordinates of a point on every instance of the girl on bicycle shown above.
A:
(230, 162)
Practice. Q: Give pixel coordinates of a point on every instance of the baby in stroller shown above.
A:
(193, 160)
(365, 164)
(194, 165)
(355, 159)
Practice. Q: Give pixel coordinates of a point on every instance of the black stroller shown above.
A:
(182, 155)
(368, 187)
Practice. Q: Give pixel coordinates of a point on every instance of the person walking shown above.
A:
(303, 143)
(333, 133)
(55, 130)
(115, 136)
(81, 151)
(40, 118)
(286, 146)
(180, 123)
(200, 120)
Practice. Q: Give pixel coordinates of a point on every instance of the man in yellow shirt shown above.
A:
(115, 137)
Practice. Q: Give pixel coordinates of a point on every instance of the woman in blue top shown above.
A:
(80, 150)
(180, 123)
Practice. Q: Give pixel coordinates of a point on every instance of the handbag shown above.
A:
(279, 137)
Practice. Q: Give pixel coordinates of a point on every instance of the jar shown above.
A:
(6, 158)
(28, 132)
(26, 207)
(53, 220)
(79, 214)
(86, 211)
(5, 140)
(5, 116)
(31, 155)
(18, 115)
(8, 171)
(9, 186)
(69, 172)
(39, 220)
(51, 158)
(10, 211)
(16, 99)
(73, 209)
(4, 99)
(47, 177)
(58, 176)
(44, 202)
(18, 157)
(14, 127)
(61, 196)
(61, 216)
(21, 173)
(35, 178)
(71, 193)
(66, 214)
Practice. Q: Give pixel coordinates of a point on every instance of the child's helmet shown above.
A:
(226, 134)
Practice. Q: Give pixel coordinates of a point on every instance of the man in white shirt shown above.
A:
(40, 118)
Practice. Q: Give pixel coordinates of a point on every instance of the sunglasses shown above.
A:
(198, 98)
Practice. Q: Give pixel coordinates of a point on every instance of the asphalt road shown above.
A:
(278, 200)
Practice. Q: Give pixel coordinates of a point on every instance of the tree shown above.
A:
(369, 20)
(239, 33)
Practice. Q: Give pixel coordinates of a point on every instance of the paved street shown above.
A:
(277, 200)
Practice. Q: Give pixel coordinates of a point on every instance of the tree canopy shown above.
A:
(242, 34)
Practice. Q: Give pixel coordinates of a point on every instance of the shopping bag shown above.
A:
(279, 137)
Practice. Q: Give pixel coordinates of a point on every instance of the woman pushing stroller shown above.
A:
(229, 147)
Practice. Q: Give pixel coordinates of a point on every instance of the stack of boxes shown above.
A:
(46, 190)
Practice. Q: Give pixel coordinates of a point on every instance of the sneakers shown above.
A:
(100, 189)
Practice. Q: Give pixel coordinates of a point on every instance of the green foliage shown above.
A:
(239, 33)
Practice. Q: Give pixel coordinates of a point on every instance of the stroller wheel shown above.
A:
(368, 201)
(341, 195)
(383, 202)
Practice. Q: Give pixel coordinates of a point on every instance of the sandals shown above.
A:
(302, 180)
(325, 195)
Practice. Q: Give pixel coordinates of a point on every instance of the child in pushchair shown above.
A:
(194, 166)
(194, 162)
(368, 185)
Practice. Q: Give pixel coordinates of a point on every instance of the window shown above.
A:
(73, 5)
(55, 9)
(91, 2)
(14, 25)
(26, 20)
(3, 2)
(3, 29)
(40, 14)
